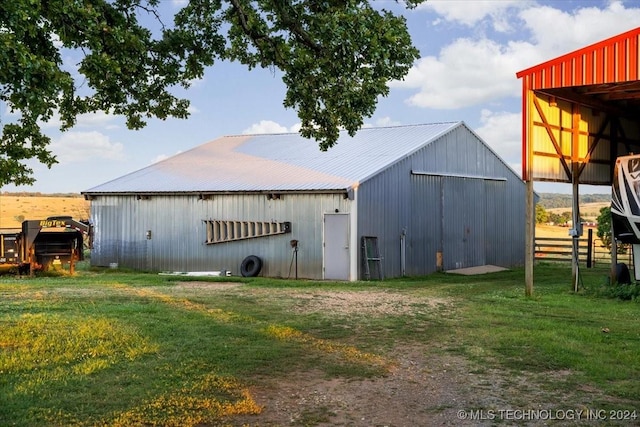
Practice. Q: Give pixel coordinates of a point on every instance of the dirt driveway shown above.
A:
(426, 385)
(419, 392)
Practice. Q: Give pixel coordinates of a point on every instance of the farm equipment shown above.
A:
(44, 244)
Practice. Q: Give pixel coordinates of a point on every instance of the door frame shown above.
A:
(347, 240)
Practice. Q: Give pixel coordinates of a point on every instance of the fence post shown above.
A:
(589, 246)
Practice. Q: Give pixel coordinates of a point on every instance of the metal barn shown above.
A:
(427, 197)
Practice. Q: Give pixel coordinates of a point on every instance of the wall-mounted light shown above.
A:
(553, 102)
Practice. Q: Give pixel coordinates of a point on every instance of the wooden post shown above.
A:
(614, 257)
(527, 172)
(577, 226)
(575, 182)
(529, 240)
(590, 248)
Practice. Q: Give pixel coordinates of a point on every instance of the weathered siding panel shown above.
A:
(384, 210)
(178, 232)
(463, 222)
(424, 235)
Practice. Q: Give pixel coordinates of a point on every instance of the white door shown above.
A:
(336, 247)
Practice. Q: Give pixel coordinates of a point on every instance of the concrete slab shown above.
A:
(481, 269)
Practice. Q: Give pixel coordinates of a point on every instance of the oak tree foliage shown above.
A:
(336, 58)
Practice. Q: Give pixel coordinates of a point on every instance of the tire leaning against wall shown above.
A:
(623, 277)
(251, 266)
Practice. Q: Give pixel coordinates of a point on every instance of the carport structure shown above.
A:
(580, 111)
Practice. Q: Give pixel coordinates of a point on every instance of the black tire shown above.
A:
(251, 266)
(622, 274)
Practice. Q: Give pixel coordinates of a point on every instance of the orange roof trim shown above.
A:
(613, 60)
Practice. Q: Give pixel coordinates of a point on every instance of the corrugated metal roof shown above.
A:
(278, 162)
(613, 60)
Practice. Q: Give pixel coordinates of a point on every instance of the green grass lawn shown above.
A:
(117, 349)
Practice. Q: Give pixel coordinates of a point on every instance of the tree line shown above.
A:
(557, 200)
(38, 194)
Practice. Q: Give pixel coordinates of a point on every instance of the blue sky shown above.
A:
(470, 52)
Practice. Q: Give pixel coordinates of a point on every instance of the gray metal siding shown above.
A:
(505, 224)
(463, 222)
(178, 232)
(467, 221)
(384, 210)
(424, 235)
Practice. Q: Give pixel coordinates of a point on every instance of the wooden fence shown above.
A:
(591, 250)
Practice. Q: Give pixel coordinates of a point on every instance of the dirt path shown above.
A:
(426, 386)
(418, 392)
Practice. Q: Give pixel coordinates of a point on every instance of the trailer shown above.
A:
(625, 211)
(41, 245)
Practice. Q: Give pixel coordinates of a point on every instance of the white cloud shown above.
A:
(468, 72)
(86, 146)
(97, 119)
(161, 157)
(578, 28)
(387, 121)
(476, 70)
(89, 120)
(268, 126)
(470, 13)
(503, 132)
(53, 122)
(381, 122)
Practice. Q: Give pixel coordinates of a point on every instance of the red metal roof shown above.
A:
(613, 60)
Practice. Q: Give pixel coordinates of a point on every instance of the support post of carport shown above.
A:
(575, 184)
(529, 240)
(527, 168)
(576, 231)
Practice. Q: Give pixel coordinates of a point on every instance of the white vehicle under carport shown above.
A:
(625, 211)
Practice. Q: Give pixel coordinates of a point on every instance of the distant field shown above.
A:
(543, 230)
(14, 209)
(587, 210)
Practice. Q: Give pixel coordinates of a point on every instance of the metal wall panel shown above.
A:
(424, 234)
(462, 221)
(384, 211)
(177, 232)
